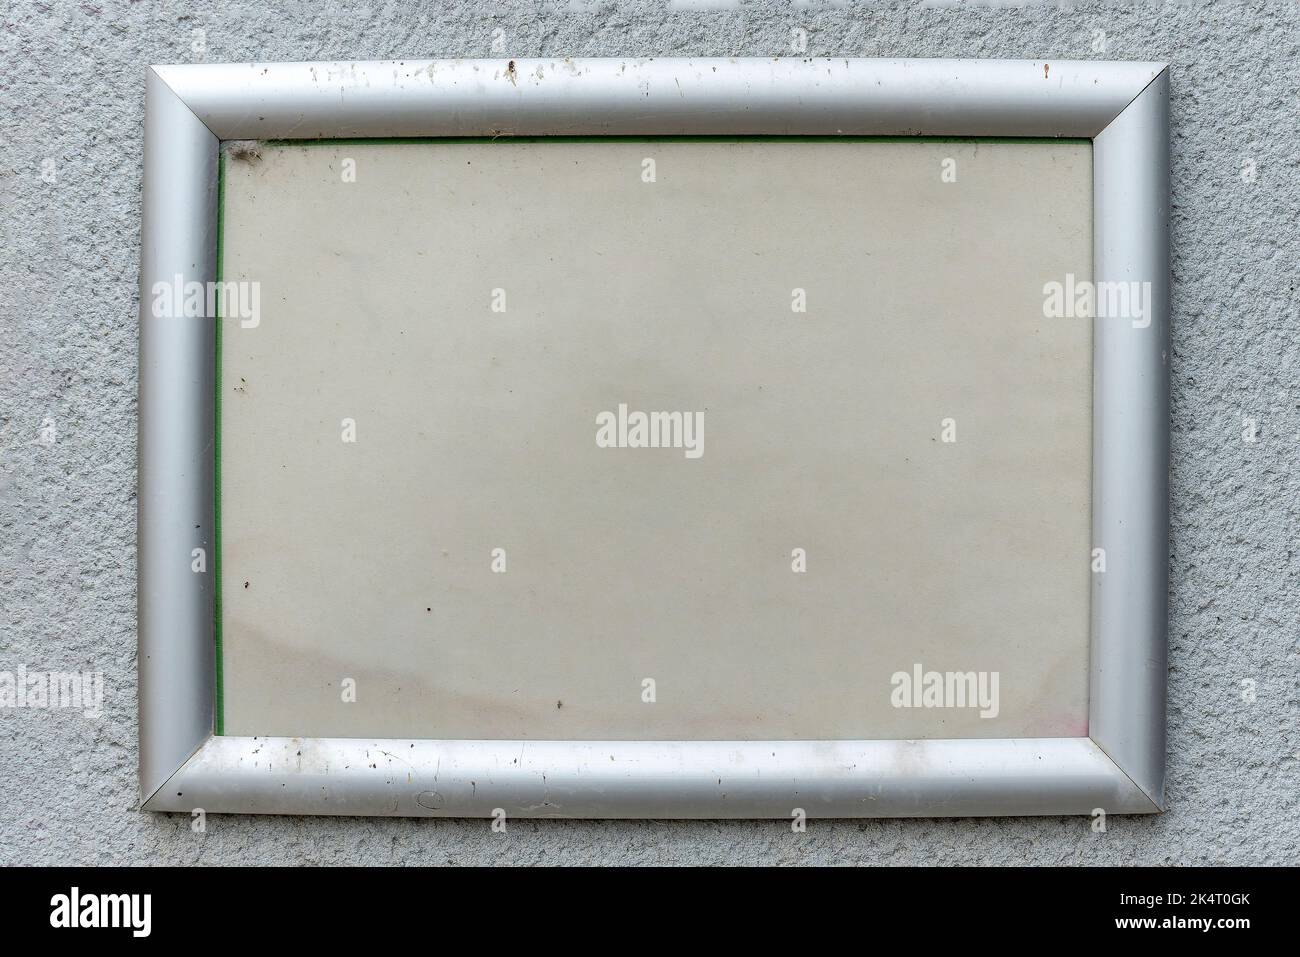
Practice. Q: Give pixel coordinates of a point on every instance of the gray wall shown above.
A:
(71, 86)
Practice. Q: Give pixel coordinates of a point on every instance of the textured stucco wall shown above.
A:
(71, 91)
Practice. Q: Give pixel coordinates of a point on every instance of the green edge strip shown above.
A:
(220, 703)
(507, 138)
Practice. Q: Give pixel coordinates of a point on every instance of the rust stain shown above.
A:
(248, 151)
(1045, 68)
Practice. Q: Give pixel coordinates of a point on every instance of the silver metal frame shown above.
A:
(1119, 766)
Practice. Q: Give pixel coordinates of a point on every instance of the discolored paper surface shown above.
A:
(369, 564)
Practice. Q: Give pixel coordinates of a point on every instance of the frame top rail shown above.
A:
(659, 97)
